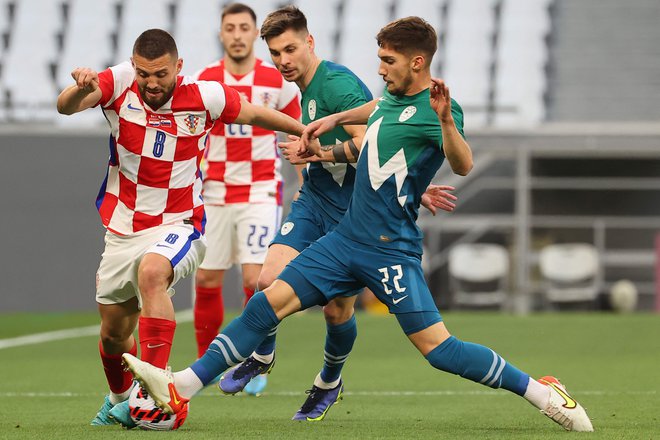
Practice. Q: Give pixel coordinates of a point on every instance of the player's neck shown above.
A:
(240, 67)
(303, 82)
(422, 81)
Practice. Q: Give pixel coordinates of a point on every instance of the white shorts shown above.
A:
(239, 234)
(116, 278)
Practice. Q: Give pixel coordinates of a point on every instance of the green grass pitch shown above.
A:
(610, 363)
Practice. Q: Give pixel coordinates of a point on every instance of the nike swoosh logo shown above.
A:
(570, 403)
(130, 107)
(164, 245)
(397, 301)
(155, 346)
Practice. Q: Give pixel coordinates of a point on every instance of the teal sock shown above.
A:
(267, 346)
(238, 340)
(479, 364)
(338, 345)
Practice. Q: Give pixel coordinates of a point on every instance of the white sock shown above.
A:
(264, 358)
(320, 383)
(116, 398)
(187, 383)
(537, 394)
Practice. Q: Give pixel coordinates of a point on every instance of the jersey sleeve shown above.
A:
(221, 101)
(289, 102)
(344, 93)
(113, 81)
(457, 114)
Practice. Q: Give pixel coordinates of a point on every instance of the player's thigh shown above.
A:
(430, 336)
(183, 246)
(220, 238)
(321, 273)
(396, 278)
(256, 226)
(277, 257)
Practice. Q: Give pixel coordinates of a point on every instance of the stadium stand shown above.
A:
(198, 45)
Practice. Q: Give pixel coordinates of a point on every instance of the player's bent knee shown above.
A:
(336, 314)
(154, 273)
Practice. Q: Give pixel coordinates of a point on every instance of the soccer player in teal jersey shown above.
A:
(411, 131)
(327, 88)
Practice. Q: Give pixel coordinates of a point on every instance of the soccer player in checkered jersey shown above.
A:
(150, 201)
(242, 182)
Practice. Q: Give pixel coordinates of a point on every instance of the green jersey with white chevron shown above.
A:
(401, 152)
(333, 89)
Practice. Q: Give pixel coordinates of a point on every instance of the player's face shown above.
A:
(238, 33)
(291, 53)
(396, 70)
(156, 78)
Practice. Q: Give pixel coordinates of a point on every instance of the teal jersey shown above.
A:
(333, 89)
(401, 153)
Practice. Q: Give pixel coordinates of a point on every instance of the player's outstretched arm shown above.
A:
(268, 118)
(84, 94)
(436, 196)
(344, 152)
(354, 116)
(457, 151)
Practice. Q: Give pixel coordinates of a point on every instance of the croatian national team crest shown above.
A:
(407, 113)
(192, 122)
(311, 109)
(266, 99)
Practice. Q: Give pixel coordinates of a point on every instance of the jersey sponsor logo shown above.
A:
(396, 165)
(407, 113)
(286, 228)
(192, 122)
(311, 109)
(130, 107)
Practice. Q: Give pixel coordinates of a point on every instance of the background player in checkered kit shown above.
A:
(411, 130)
(242, 181)
(150, 201)
(326, 88)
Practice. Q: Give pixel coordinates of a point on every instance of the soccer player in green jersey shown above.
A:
(411, 130)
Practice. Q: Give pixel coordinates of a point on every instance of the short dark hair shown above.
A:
(409, 35)
(283, 19)
(238, 8)
(154, 43)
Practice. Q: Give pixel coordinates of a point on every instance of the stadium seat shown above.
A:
(29, 59)
(521, 58)
(196, 29)
(357, 47)
(468, 56)
(571, 272)
(138, 16)
(87, 38)
(478, 275)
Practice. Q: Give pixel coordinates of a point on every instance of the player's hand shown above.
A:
(441, 100)
(291, 151)
(86, 79)
(436, 196)
(315, 129)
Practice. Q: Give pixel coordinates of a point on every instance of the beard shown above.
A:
(156, 102)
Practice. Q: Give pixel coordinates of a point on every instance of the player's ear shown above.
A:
(179, 65)
(417, 63)
(310, 41)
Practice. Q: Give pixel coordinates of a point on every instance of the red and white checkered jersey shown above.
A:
(242, 163)
(153, 174)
